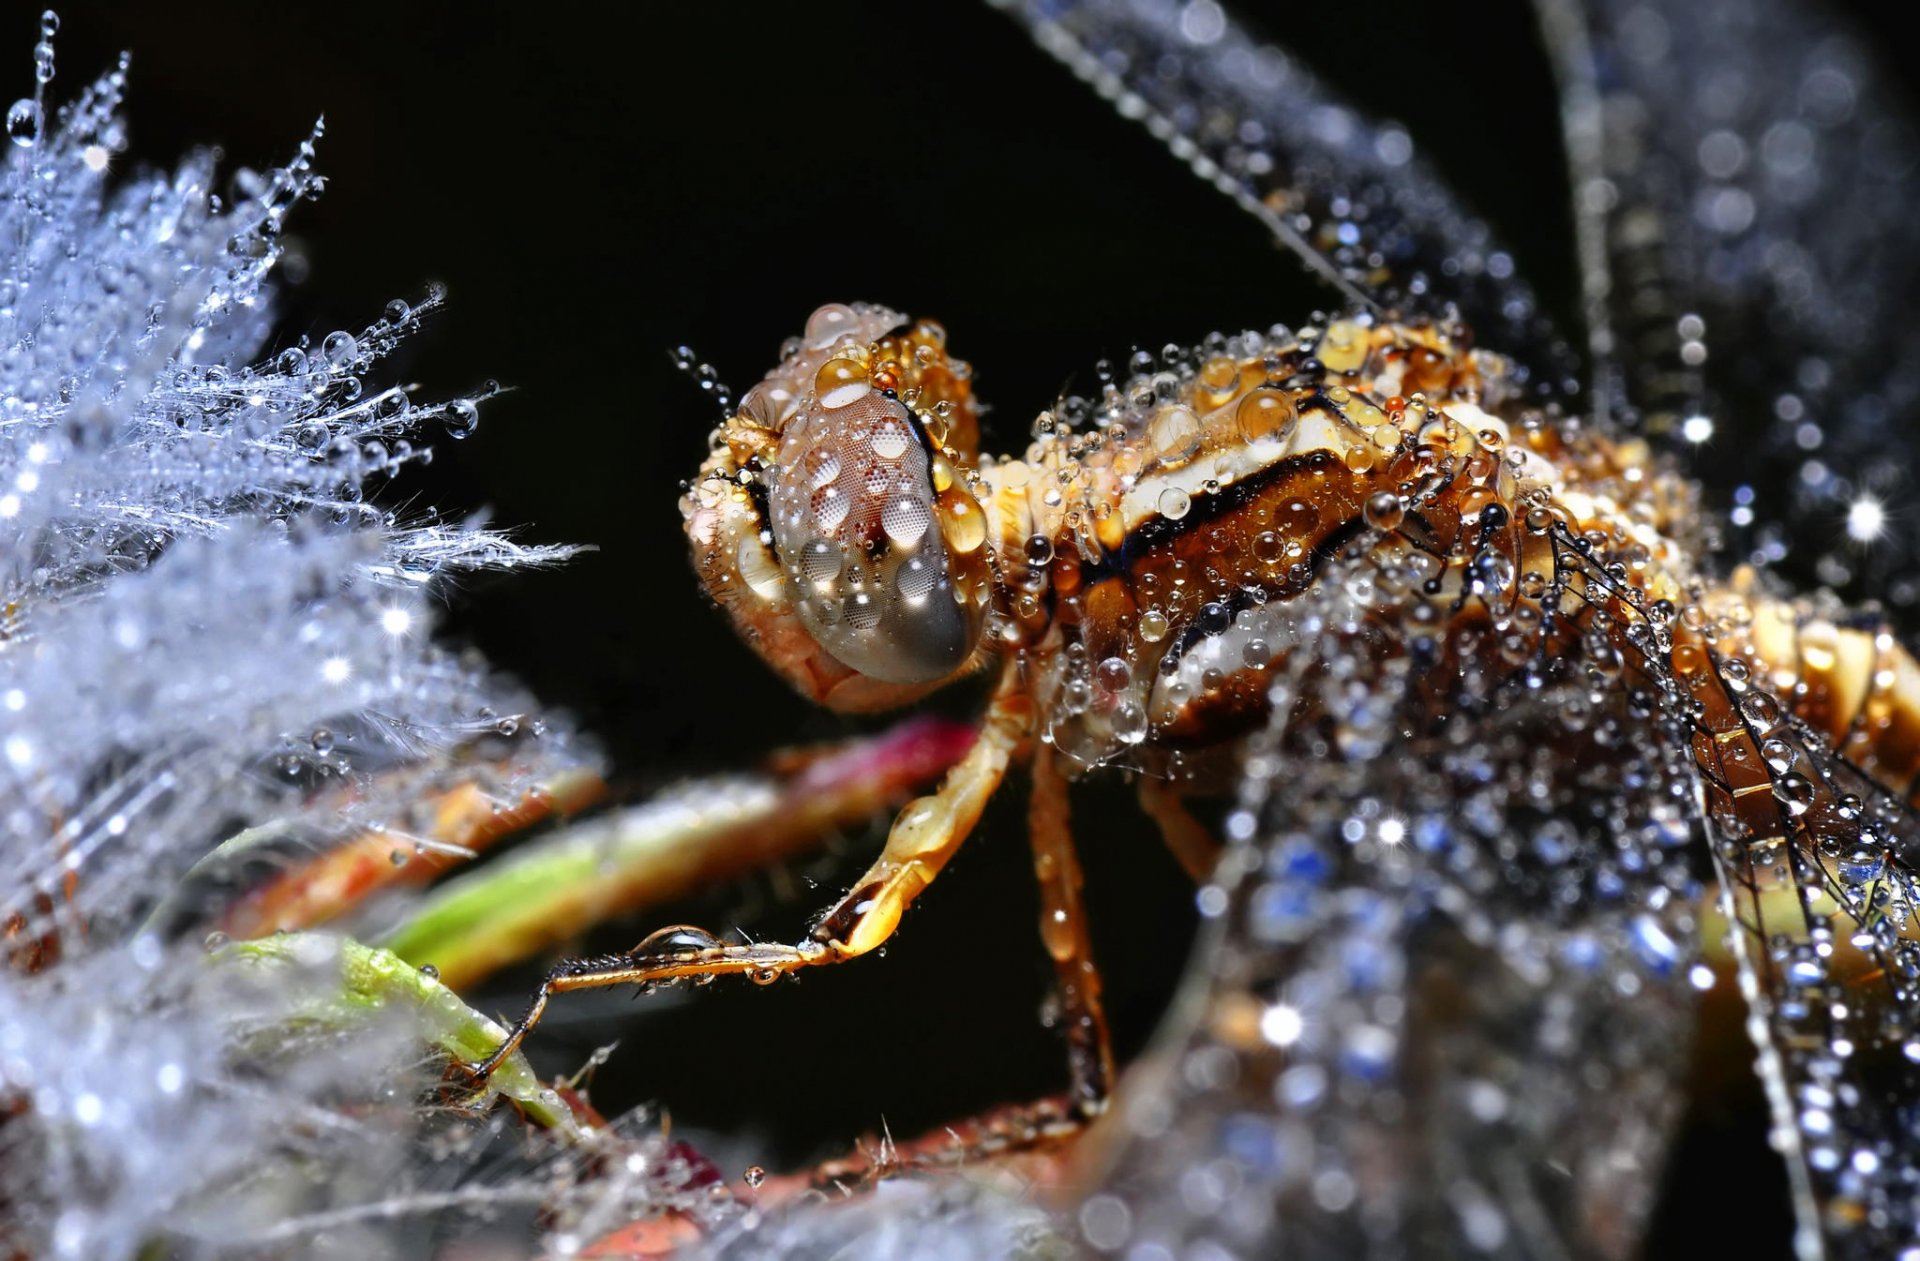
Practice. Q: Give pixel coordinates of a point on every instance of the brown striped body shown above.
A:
(1135, 555)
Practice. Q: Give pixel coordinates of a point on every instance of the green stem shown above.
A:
(372, 979)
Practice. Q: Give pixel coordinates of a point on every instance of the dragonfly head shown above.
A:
(833, 520)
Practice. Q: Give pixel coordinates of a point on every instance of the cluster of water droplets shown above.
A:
(206, 624)
(1195, 429)
(855, 515)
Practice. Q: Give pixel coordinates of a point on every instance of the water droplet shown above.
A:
(915, 579)
(821, 466)
(24, 120)
(1492, 572)
(889, 441)
(391, 406)
(1760, 709)
(905, 519)
(1174, 503)
(1384, 510)
(962, 522)
(322, 740)
(1266, 417)
(399, 311)
(429, 971)
(840, 382)
(826, 325)
(461, 418)
(819, 561)
(1174, 437)
(1795, 792)
(754, 1176)
(339, 348)
(863, 611)
(1805, 971)
(1297, 518)
(677, 940)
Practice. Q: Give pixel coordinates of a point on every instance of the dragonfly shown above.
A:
(1422, 582)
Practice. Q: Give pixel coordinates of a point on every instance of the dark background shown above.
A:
(595, 186)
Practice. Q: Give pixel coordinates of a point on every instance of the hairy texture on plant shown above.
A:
(205, 622)
(205, 626)
(137, 1112)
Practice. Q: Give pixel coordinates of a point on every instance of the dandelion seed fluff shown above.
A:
(193, 580)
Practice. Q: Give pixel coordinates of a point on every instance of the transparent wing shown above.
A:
(1744, 185)
(1445, 1002)
(1346, 194)
(1819, 867)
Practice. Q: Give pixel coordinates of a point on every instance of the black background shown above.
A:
(596, 185)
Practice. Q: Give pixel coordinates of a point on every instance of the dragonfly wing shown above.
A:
(1744, 183)
(1445, 999)
(1820, 868)
(1348, 195)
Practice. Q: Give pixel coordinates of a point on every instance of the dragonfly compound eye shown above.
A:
(833, 520)
(873, 533)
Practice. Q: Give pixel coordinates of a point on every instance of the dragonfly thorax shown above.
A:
(1149, 549)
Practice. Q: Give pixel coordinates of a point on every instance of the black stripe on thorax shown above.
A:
(1204, 509)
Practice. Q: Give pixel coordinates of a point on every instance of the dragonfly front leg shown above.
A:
(925, 834)
(668, 955)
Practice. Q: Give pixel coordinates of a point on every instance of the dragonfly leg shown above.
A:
(925, 834)
(1063, 929)
(669, 955)
(1192, 843)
